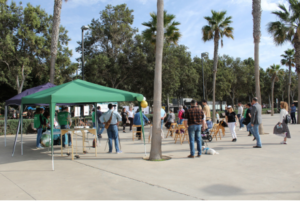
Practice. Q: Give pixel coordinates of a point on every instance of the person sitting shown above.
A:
(137, 121)
(170, 119)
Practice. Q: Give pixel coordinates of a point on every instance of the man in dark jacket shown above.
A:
(100, 125)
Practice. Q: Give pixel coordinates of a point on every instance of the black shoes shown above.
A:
(256, 147)
(234, 140)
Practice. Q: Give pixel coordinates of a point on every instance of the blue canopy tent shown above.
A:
(17, 100)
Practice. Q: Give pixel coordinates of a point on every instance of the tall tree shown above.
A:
(155, 153)
(274, 72)
(288, 29)
(54, 37)
(171, 31)
(218, 26)
(288, 60)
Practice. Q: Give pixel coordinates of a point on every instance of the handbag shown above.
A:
(107, 124)
(127, 121)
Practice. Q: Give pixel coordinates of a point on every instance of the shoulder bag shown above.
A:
(107, 124)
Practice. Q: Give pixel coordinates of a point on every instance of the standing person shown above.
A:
(232, 119)
(163, 116)
(194, 121)
(293, 113)
(240, 115)
(247, 118)
(180, 114)
(112, 117)
(100, 124)
(130, 117)
(206, 110)
(124, 118)
(171, 119)
(137, 121)
(255, 121)
(65, 122)
(38, 124)
(281, 128)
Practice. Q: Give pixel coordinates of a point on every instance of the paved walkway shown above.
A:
(238, 172)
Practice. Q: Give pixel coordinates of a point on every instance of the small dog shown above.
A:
(207, 150)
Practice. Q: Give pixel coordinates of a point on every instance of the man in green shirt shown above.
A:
(65, 121)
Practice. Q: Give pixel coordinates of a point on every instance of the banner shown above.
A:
(86, 110)
(76, 111)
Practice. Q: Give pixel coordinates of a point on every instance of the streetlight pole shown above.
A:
(205, 54)
(82, 45)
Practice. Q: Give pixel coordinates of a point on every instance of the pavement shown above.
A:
(238, 172)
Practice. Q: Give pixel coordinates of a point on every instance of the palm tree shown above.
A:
(218, 26)
(274, 72)
(54, 36)
(256, 12)
(171, 32)
(288, 60)
(155, 153)
(288, 29)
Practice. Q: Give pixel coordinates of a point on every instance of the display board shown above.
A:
(104, 106)
(86, 110)
(134, 109)
(77, 111)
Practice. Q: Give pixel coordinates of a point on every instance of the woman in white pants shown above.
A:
(231, 119)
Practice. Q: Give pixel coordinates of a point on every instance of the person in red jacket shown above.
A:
(180, 113)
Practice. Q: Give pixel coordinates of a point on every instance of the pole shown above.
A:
(5, 123)
(21, 113)
(142, 123)
(82, 62)
(52, 112)
(203, 80)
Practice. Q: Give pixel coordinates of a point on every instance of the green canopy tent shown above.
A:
(80, 92)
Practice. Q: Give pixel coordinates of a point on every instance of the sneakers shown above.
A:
(109, 152)
(40, 147)
(119, 152)
(283, 142)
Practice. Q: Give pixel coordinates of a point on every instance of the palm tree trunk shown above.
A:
(298, 73)
(272, 98)
(289, 87)
(216, 48)
(155, 153)
(256, 12)
(54, 37)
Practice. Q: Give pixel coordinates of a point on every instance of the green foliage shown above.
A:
(12, 125)
(25, 41)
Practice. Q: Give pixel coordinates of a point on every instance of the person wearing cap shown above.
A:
(194, 123)
(231, 119)
(65, 121)
(112, 130)
(256, 120)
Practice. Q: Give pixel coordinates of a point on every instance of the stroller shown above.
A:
(206, 137)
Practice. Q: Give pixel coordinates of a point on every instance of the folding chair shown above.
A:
(172, 129)
(134, 132)
(179, 135)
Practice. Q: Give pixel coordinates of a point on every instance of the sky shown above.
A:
(190, 13)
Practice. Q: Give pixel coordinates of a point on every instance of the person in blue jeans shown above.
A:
(194, 117)
(114, 118)
(256, 120)
(162, 115)
(293, 110)
(137, 121)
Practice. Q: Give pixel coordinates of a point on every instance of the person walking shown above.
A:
(240, 115)
(113, 118)
(180, 114)
(124, 118)
(137, 121)
(38, 125)
(231, 119)
(281, 128)
(130, 117)
(247, 118)
(256, 120)
(194, 123)
(293, 113)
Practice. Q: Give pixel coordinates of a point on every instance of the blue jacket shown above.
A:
(137, 120)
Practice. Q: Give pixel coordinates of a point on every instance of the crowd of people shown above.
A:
(196, 119)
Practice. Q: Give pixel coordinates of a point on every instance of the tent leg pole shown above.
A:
(16, 138)
(5, 124)
(52, 112)
(21, 114)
